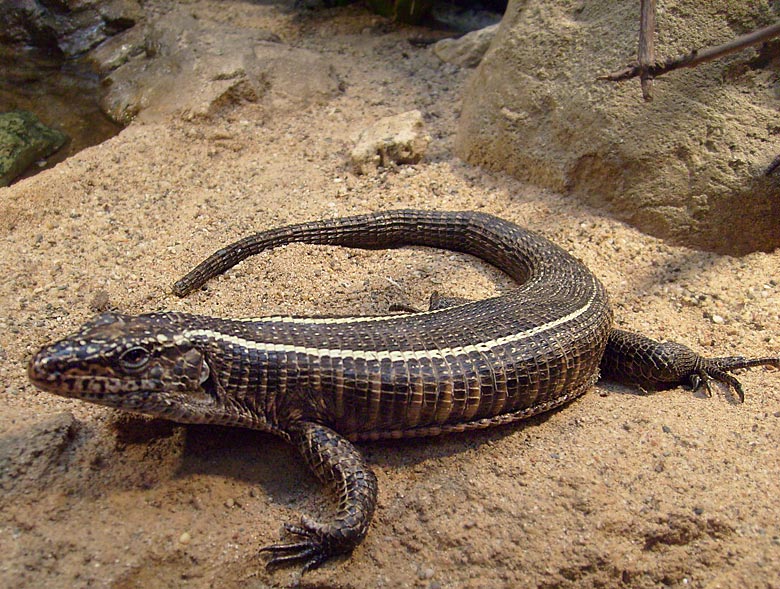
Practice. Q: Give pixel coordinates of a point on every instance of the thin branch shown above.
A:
(696, 56)
(646, 53)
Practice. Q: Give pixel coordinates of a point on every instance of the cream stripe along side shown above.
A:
(426, 389)
(378, 355)
(466, 362)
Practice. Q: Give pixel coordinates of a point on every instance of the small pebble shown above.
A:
(718, 319)
(185, 538)
(425, 573)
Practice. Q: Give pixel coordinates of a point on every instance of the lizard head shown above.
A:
(138, 363)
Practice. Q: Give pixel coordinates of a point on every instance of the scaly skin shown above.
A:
(319, 382)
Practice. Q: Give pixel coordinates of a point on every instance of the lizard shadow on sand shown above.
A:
(262, 459)
(259, 458)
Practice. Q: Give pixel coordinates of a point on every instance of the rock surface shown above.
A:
(41, 458)
(181, 65)
(688, 166)
(69, 26)
(400, 139)
(408, 11)
(23, 140)
(468, 50)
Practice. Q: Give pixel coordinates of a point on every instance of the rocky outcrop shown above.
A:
(396, 140)
(468, 50)
(179, 65)
(687, 166)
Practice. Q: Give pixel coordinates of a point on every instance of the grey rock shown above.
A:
(119, 49)
(23, 140)
(71, 26)
(183, 66)
(468, 50)
(687, 167)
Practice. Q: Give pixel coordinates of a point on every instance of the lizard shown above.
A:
(323, 383)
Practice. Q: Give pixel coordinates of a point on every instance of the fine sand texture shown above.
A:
(618, 489)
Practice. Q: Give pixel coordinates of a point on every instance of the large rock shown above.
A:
(687, 166)
(468, 50)
(179, 65)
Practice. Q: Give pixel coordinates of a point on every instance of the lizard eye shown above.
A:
(134, 358)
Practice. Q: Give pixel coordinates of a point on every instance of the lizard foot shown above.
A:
(337, 463)
(313, 548)
(709, 370)
(634, 358)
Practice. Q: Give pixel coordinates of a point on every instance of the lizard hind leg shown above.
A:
(338, 464)
(637, 359)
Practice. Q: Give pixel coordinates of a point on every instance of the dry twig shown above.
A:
(696, 56)
(646, 53)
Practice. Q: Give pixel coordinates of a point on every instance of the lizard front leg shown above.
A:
(339, 465)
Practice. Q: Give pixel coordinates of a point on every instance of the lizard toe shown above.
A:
(310, 551)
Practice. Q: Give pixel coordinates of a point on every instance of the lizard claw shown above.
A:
(706, 376)
(716, 369)
(312, 549)
(697, 382)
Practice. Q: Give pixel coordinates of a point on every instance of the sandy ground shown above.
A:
(619, 489)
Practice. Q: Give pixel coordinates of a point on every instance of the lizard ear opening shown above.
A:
(205, 372)
(207, 380)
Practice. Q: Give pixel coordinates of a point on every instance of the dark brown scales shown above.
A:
(317, 382)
